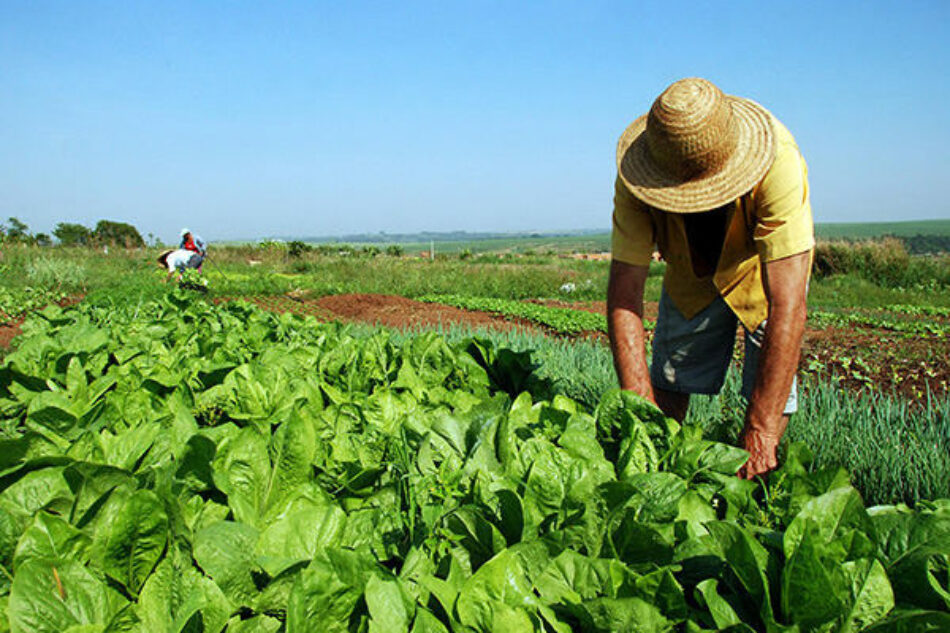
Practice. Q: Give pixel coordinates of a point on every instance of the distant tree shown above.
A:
(70, 234)
(42, 239)
(118, 234)
(296, 248)
(394, 250)
(16, 231)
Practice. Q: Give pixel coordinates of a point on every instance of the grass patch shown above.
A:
(851, 291)
(322, 275)
(885, 262)
(894, 453)
(877, 320)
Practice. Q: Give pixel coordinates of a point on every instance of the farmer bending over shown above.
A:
(193, 243)
(718, 185)
(178, 260)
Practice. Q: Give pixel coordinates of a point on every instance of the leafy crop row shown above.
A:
(921, 310)
(914, 328)
(562, 320)
(15, 302)
(177, 467)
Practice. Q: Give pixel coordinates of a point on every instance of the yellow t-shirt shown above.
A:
(770, 222)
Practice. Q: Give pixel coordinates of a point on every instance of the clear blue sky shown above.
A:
(250, 119)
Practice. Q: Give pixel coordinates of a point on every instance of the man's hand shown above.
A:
(786, 283)
(762, 447)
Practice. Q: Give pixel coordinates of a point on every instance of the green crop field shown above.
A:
(170, 463)
(173, 465)
(869, 230)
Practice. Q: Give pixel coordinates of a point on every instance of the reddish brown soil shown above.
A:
(389, 311)
(875, 359)
(9, 330)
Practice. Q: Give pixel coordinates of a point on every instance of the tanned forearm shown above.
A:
(625, 327)
(786, 283)
(778, 362)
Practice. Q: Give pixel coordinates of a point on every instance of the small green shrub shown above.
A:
(885, 262)
(296, 248)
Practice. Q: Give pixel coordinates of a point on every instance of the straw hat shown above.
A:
(696, 149)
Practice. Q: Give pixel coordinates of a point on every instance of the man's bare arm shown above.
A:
(625, 326)
(786, 285)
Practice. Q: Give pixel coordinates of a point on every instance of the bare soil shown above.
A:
(390, 311)
(10, 330)
(879, 360)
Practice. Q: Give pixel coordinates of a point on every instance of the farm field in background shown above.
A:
(456, 392)
(870, 230)
(593, 242)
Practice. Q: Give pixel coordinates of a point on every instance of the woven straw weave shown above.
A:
(696, 149)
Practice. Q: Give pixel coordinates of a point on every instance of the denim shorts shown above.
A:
(693, 355)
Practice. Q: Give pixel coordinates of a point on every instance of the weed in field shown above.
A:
(56, 274)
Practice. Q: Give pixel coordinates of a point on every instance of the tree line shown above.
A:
(106, 233)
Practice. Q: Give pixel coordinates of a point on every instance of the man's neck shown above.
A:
(705, 234)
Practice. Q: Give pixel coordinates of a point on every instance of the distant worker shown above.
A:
(178, 261)
(193, 243)
(717, 183)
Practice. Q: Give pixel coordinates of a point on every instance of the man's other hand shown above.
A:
(762, 447)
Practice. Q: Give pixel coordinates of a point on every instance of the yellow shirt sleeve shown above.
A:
(783, 224)
(633, 236)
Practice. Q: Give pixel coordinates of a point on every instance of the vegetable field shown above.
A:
(176, 466)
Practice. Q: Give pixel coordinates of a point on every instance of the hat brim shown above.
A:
(745, 167)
